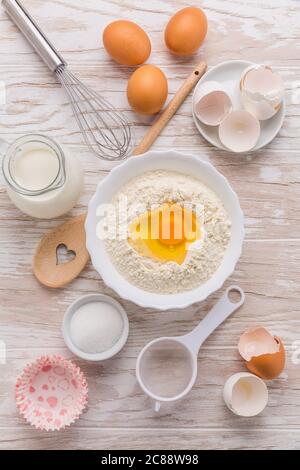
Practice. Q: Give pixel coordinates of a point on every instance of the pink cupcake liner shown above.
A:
(51, 393)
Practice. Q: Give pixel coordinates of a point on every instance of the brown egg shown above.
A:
(147, 90)
(264, 354)
(126, 42)
(186, 31)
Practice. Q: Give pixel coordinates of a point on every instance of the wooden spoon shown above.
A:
(46, 263)
(71, 234)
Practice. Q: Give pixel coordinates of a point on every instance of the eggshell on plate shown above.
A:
(126, 42)
(239, 131)
(245, 394)
(262, 91)
(212, 103)
(263, 353)
(147, 90)
(186, 31)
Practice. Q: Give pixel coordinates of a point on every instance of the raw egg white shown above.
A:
(165, 233)
(245, 394)
(126, 42)
(147, 90)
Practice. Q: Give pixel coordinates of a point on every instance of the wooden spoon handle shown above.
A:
(171, 109)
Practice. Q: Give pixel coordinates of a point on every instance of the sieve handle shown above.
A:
(219, 313)
(33, 33)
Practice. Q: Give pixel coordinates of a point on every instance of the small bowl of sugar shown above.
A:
(95, 327)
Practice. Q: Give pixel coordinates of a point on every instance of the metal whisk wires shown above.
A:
(105, 130)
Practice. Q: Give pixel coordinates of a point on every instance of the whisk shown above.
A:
(106, 130)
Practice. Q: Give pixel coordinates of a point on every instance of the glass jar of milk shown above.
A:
(43, 180)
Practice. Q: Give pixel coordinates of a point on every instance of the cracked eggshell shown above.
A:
(239, 131)
(262, 91)
(263, 353)
(245, 394)
(212, 103)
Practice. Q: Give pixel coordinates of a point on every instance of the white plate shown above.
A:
(172, 161)
(229, 74)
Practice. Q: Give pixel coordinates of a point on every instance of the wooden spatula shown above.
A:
(46, 264)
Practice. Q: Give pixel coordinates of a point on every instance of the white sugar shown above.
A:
(96, 327)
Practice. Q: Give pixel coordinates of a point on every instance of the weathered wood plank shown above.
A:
(269, 198)
(268, 272)
(36, 102)
(116, 400)
(151, 439)
(264, 31)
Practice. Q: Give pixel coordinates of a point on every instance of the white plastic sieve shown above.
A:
(166, 368)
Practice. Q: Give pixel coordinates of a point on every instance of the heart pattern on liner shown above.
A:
(64, 255)
(51, 393)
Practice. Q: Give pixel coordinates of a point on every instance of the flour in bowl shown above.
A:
(156, 189)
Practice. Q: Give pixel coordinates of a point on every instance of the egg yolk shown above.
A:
(165, 233)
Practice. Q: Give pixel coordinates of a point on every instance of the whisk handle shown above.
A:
(171, 109)
(34, 35)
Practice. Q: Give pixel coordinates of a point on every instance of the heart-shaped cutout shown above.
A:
(64, 255)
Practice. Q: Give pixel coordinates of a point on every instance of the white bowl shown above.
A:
(229, 74)
(97, 357)
(173, 161)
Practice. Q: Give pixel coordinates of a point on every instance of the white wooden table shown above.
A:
(268, 184)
